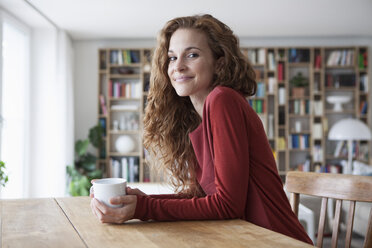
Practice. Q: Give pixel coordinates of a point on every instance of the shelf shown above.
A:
(299, 149)
(112, 99)
(118, 132)
(292, 98)
(299, 64)
(340, 67)
(340, 88)
(129, 154)
(298, 116)
(127, 76)
(126, 65)
(302, 132)
(125, 110)
(340, 113)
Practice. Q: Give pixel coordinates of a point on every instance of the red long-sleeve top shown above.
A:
(236, 170)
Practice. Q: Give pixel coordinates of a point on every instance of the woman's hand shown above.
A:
(135, 191)
(115, 215)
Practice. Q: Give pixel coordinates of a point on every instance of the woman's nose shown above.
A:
(179, 65)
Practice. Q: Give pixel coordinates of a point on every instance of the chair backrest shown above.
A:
(335, 186)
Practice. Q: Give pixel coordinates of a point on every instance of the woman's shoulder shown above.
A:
(224, 94)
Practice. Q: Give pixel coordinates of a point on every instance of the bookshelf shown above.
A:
(294, 84)
(122, 89)
(300, 81)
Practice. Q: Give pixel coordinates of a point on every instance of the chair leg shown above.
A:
(368, 239)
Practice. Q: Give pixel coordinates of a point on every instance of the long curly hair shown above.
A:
(169, 118)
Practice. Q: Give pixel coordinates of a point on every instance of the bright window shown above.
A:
(14, 106)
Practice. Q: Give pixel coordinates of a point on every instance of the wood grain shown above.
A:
(36, 223)
(229, 233)
(336, 186)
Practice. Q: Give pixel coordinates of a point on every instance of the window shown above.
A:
(14, 99)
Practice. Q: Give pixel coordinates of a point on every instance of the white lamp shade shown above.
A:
(349, 129)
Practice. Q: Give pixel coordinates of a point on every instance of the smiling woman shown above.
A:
(201, 131)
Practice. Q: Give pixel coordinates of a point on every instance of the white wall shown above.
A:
(86, 67)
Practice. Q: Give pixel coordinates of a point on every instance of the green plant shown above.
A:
(299, 80)
(3, 177)
(84, 169)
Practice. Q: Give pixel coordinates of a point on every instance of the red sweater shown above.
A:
(237, 172)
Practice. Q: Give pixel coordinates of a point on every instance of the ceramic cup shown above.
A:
(106, 188)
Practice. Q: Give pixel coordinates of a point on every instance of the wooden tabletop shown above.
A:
(69, 222)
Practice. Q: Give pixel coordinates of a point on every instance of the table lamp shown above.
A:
(349, 130)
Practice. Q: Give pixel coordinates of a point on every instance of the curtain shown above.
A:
(51, 141)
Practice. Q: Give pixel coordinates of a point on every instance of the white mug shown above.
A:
(106, 188)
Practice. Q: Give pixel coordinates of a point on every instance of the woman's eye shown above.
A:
(172, 58)
(193, 55)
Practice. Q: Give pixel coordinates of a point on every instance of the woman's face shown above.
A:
(191, 63)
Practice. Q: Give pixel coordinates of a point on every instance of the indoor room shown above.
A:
(199, 123)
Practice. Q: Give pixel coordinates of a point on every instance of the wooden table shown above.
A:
(69, 222)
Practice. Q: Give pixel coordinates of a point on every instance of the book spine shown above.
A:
(103, 104)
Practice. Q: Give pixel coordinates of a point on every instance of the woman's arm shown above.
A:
(225, 118)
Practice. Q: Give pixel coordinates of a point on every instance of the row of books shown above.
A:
(257, 105)
(298, 141)
(260, 92)
(360, 151)
(280, 71)
(318, 61)
(102, 102)
(340, 80)
(102, 123)
(318, 153)
(363, 60)
(329, 168)
(341, 58)
(271, 61)
(299, 107)
(121, 57)
(317, 131)
(125, 89)
(125, 167)
(364, 83)
(299, 55)
(256, 56)
(305, 166)
(363, 107)
(318, 108)
(281, 143)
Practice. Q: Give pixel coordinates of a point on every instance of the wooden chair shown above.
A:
(335, 186)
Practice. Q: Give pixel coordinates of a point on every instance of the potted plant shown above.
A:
(3, 177)
(299, 83)
(84, 169)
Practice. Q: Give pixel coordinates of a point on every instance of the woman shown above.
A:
(200, 129)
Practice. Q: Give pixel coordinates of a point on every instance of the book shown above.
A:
(271, 61)
(261, 56)
(338, 148)
(124, 168)
(318, 61)
(363, 107)
(110, 83)
(317, 131)
(271, 85)
(103, 104)
(282, 97)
